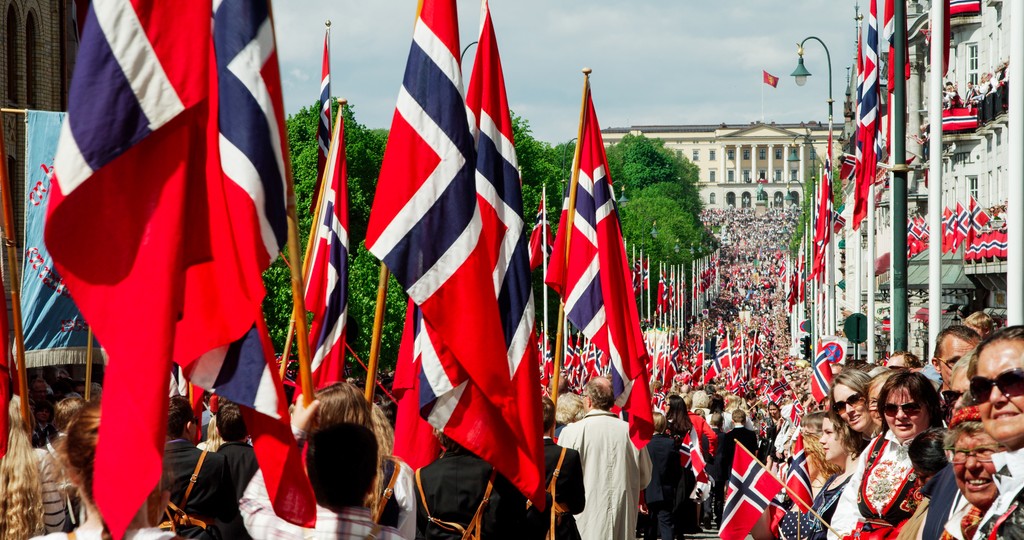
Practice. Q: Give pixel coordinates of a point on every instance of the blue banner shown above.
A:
(55, 332)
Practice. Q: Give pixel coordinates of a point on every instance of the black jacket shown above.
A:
(665, 471)
(568, 489)
(213, 496)
(454, 485)
(242, 465)
(738, 435)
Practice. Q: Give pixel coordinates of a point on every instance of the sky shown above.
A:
(653, 61)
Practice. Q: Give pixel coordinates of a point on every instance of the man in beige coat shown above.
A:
(614, 471)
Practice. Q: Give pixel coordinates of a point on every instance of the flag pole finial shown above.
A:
(341, 102)
(327, 23)
(587, 71)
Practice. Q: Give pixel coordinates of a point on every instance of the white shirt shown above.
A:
(847, 515)
(1007, 483)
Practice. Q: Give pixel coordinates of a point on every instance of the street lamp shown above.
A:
(677, 246)
(622, 198)
(800, 74)
(654, 230)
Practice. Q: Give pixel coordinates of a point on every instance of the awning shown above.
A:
(882, 264)
(921, 315)
(841, 284)
(842, 243)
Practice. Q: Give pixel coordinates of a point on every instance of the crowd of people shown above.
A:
(905, 449)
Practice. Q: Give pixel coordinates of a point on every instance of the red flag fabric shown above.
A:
(769, 79)
(327, 276)
(798, 480)
(868, 132)
(414, 437)
(6, 380)
(539, 238)
(183, 212)
(593, 278)
(823, 225)
(821, 374)
(750, 490)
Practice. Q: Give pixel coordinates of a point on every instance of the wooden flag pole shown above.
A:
(309, 242)
(570, 214)
(88, 367)
(378, 325)
(789, 491)
(12, 258)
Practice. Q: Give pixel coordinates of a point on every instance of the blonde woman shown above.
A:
(21, 496)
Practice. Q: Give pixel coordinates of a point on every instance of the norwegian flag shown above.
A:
(175, 172)
(445, 213)
(948, 230)
(838, 221)
(889, 35)
(739, 351)
(646, 271)
(540, 238)
(323, 127)
(868, 138)
(593, 278)
(963, 225)
(638, 280)
(327, 278)
(751, 488)
(798, 480)
(695, 453)
(725, 356)
(978, 218)
(821, 374)
(848, 168)
(779, 390)
(714, 366)
(662, 305)
(823, 227)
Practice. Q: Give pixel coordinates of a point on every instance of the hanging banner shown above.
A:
(55, 332)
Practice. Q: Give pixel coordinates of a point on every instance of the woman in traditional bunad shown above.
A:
(883, 491)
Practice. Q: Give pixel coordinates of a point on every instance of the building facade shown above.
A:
(735, 160)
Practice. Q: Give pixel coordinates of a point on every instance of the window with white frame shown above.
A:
(972, 63)
(711, 175)
(762, 153)
(778, 153)
(972, 186)
(711, 155)
(746, 153)
(696, 155)
(730, 176)
(777, 175)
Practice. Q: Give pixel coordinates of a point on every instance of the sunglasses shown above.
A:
(853, 400)
(909, 409)
(950, 396)
(1010, 383)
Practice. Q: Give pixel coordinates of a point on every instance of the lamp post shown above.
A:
(800, 75)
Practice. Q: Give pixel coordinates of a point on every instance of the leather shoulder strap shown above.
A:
(473, 531)
(192, 480)
(389, 491)
(423, 498)
(552, 489)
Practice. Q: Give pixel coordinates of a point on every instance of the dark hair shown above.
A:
(230, 423)
(44, 405)
(959, 331)
(600, 392)
(179, 414)
(678, 417)
(717, 403)
(341, 461)
(1010, 333)
(927, 452)
(547, 409)
(921, 391)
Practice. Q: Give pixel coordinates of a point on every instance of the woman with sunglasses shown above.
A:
(882, 493)
(997, 386)
(849, 399)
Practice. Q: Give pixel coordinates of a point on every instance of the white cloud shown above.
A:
(655, 62)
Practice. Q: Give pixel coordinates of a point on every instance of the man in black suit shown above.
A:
(570, 496)
(661, 492)
(452, 488)
(211, 498)
(738, 435)
(240, 457)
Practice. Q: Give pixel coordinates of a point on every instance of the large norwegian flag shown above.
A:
(591, 274)
(963, 225)
(750, 490)
(175, 171)
(868, 136)
(327, 278)
(798, 479)
(448, 223)
(978, 219)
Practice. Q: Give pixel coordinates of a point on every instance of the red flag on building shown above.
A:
(174, 170)
(601, 303)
